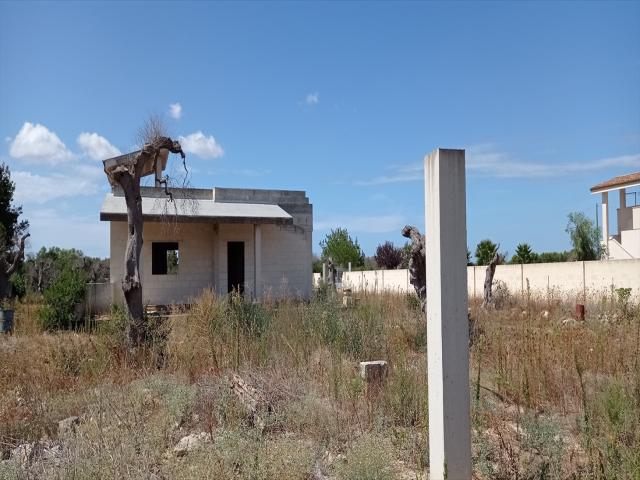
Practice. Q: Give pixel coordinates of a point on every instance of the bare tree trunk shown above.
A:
(8, 267)
(131, 284)
(417, 263)
(488, 281)
(128, 177)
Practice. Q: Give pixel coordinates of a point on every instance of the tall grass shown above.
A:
(552, 398)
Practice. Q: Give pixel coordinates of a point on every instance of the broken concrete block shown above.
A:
(373, 372)
(190, 443)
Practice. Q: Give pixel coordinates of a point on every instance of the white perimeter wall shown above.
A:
(573, 278)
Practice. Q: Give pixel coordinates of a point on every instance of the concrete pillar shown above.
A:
(349, 266)
(447, 323)
(623, 198)
(605, 222)
(324, 272)
(257, 260)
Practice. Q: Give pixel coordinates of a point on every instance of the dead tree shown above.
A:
(127, 173)
(488, 280)
(417, 263)
(331, 267)
(9, 263)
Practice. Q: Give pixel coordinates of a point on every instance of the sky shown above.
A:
(342, 100)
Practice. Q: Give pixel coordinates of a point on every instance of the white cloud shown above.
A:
(36, 189)
(96, 147)
(175, 110)
(363, 224)
(487, 161)
(201, 145)
(36, 144)
(312, 98)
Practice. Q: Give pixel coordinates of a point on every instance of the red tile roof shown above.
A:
(621, 181)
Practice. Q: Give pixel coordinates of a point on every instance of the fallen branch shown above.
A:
(252, 400)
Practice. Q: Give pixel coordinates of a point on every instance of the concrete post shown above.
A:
(447, 323)
(349, 266)
(605, 222)
(257, 260)
(623, 199)
(324, 272)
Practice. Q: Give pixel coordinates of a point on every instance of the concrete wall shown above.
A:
(286, 259)
(568, 278)
(99, 297)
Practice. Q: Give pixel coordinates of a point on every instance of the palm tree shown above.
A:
(524, 254)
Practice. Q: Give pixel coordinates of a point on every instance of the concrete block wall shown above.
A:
(196, 260)
(286, 261)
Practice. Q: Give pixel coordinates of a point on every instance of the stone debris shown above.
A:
(68, 425)
(23, 454)
(252, 400)
(27, 453)
(570, 322)
(190, 443)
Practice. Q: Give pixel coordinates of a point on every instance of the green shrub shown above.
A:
(67, 290)
(370, 458)
(252, 318)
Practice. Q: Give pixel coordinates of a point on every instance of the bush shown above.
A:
(61, 298)
(388, 256)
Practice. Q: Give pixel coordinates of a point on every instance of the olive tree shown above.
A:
(127, 173)
(13, 232)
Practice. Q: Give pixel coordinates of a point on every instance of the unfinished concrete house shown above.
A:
(254, 241)
(257, 242)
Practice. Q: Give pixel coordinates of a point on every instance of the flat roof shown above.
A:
(114, 208)
(616, 183)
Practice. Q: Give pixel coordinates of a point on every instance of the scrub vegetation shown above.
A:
(552, 397)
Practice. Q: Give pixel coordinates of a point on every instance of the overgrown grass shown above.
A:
(551, 398)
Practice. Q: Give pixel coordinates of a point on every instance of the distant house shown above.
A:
(626, 243)
(254, 241)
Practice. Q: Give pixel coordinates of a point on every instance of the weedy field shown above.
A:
(551, 397)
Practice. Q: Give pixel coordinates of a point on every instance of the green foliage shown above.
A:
(585, 237)
(41, 269)
(406, 255)
(623, 296)
(316, 264)
(388, 256)
(10, 227)
(61, 297)
(542, 436)
(406, 396)
(339, 246)
(485, 250)
(524, 254)
(370, 458)
(617, 424)
(552, 257)
(251, 317)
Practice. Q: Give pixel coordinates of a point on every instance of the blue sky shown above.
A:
(342, 100)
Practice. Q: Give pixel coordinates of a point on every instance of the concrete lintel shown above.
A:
(120, 217)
